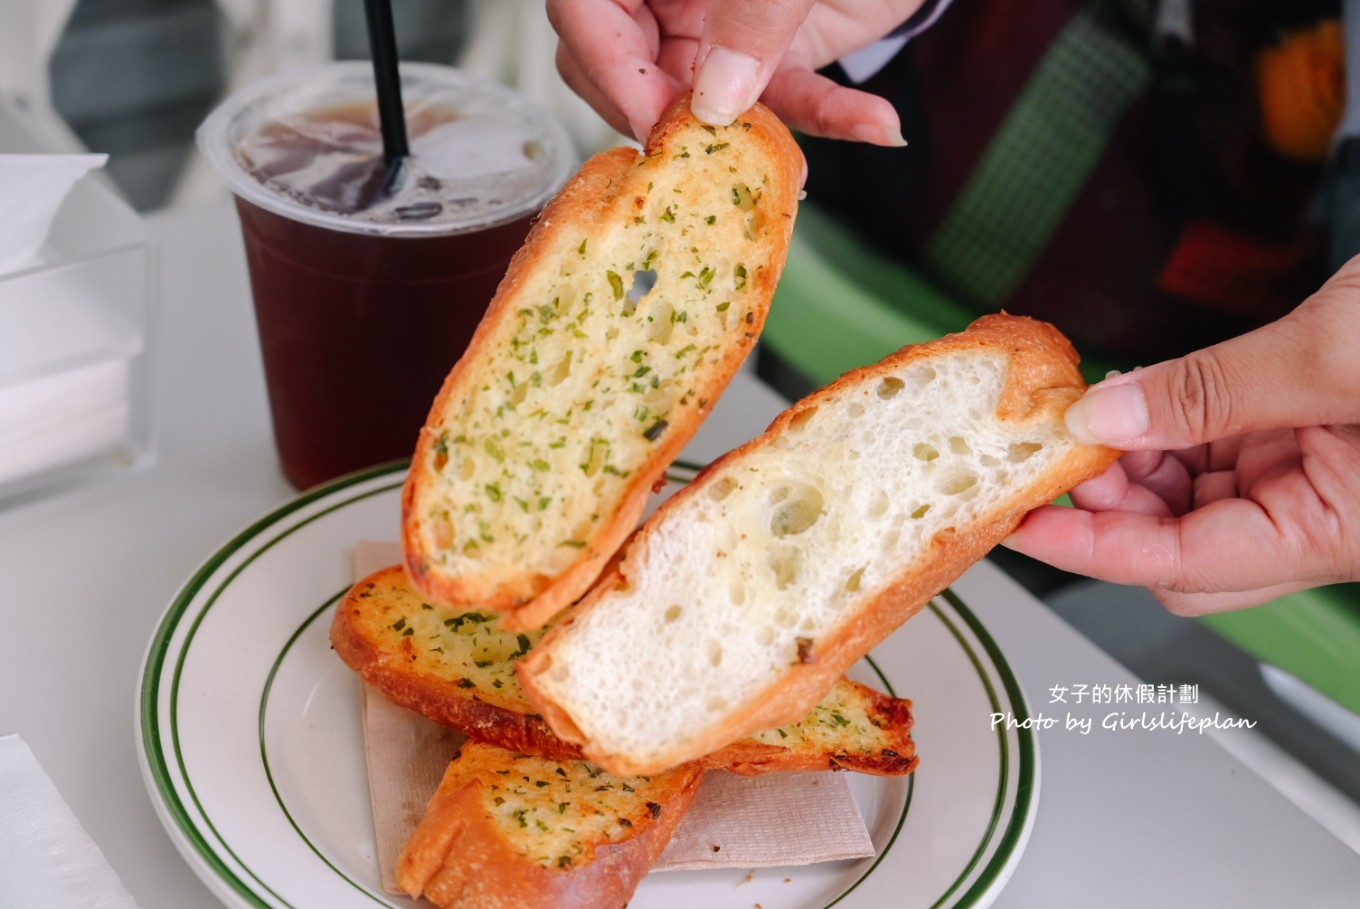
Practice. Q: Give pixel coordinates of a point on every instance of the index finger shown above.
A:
(739, 52)
(608, 55)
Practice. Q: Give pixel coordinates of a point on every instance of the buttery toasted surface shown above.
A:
(635, 298)
(457, 668)
(509, 831)
(790, 558)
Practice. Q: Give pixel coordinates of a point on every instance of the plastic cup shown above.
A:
(366, 295)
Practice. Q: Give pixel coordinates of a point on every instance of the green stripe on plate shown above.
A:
(152, 741)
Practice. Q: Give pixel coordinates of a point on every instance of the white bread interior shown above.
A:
(745, 596)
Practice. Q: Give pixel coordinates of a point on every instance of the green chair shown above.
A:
(840, 306)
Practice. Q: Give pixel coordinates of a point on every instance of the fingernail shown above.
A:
(725, 86)
(878, 134)
(1108, 415)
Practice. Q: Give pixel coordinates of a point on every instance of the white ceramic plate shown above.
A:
(251, 747)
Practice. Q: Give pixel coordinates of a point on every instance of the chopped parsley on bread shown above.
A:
(457, 668)
(636, 296)
(513, 831)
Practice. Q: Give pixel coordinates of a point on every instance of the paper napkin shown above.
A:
(46, 857)
(735, 821)
(33, 187)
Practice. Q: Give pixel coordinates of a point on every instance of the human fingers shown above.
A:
(1229, 546)
(1206, 603)
(1298, 371)
(1164, 474)
(739, 51)
(1115, 490)
(607, 54)
(818, 106)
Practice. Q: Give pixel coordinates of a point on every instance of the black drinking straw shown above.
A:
(382, 42)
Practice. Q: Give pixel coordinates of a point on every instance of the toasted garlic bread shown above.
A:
(509, 831)
(791, 557)
(458, 669)
(635, 298)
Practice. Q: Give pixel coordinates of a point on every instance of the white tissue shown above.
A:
(33, 187)
(46, 857)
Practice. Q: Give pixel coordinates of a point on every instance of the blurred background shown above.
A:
(134, 78)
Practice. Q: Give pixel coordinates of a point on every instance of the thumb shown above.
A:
(1290, 373)
(739, 51)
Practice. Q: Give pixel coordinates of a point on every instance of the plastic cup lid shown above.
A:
(482, 153)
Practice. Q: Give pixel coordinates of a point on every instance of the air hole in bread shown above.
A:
(466, 468)
(561, 370)
(784, 564)
(785, 617)
(797, 507)
(594, 456)
(878, 505)
(919, 377)
(959, 445)
(737, 593)
(1022, 451)
(920, 511)
(755, 223)
(890, 387)
(672, 613)
(715, 653)
(957, 483)
(659, 399)
(643, 282)
(800, 419)
(925, 452)
(989, 460)
(716, 704)
(852, 583)
(442, 527)
(722, 488)
(890, 540)
(855, 410)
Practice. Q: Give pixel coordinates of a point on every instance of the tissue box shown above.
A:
(74, 344)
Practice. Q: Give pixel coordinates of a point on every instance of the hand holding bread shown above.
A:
(744, 597)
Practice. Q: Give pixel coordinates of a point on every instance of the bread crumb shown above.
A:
(788, 880)
(750, 876)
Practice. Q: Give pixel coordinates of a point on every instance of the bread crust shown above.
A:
(604, 192)
(1041, 382)
(459, 859)
(390, 663)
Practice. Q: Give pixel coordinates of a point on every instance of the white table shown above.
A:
(1129, 819)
